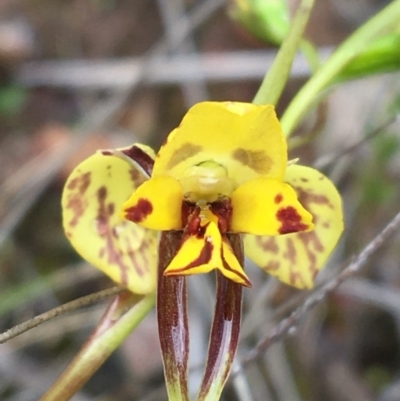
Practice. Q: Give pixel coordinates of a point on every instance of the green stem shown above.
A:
(346, 52)
(125, 312)
(276, 78)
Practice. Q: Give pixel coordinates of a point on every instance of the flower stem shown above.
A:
(172, 320)
(379, 24)
(224, 332)
(124, 313)
(274, 81)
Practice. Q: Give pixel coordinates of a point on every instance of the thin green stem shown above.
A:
(347, 51)
(122, 316)
(275, 80)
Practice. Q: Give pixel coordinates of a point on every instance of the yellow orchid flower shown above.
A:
(223, 171)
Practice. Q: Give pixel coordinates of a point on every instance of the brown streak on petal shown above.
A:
(105, 231)
(272, 265)
(311, 238)
(278, 199)
(132, 255)
(296, 276)
(184, 152)
(76, 201)
(290, 253)
(307, 198)
(268, 244)
(257, 160)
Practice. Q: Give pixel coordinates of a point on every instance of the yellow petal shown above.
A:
(198, 253)
(202, 253)
(92, 198)
(245, 139)
(157, 204)
(296, 258)
(264, 206)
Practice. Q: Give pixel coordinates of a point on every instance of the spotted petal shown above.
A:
(296, 258)
(157, 204)
(264, 206)
(245, 139)
(92, 198)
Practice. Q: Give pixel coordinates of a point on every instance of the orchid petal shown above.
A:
(156, 204)
(92, 197)
(264, 206)
(296, 258)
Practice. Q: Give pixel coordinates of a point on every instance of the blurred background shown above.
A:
(79, 75)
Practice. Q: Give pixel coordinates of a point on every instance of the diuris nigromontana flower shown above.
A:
(224, 170)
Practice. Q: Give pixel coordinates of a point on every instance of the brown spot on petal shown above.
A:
(268, 244)
(257, 160)
(76, 200)
(291, 220)
(272, 265)
(306, 198)
(184, 152)
(140, 211)
(304, 179)
(278, 199)
(290, 253)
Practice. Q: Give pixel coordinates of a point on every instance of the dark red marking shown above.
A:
(223, 210)
(278, 199)
(247, 282)
(203, 258)
(291, 220)
(139, 212)
(106, 153)
(187, 209)
(141, 158)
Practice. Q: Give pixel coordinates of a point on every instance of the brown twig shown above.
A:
(69, 306)
(288, 324)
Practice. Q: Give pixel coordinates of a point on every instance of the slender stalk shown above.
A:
(173, 320)
(224, 332)
(346, 52)
(124, 313)
(275, 80)
(51, 314)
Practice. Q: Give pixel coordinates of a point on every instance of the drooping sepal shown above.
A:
(265, 206)
(92, 198)
(296, 258)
